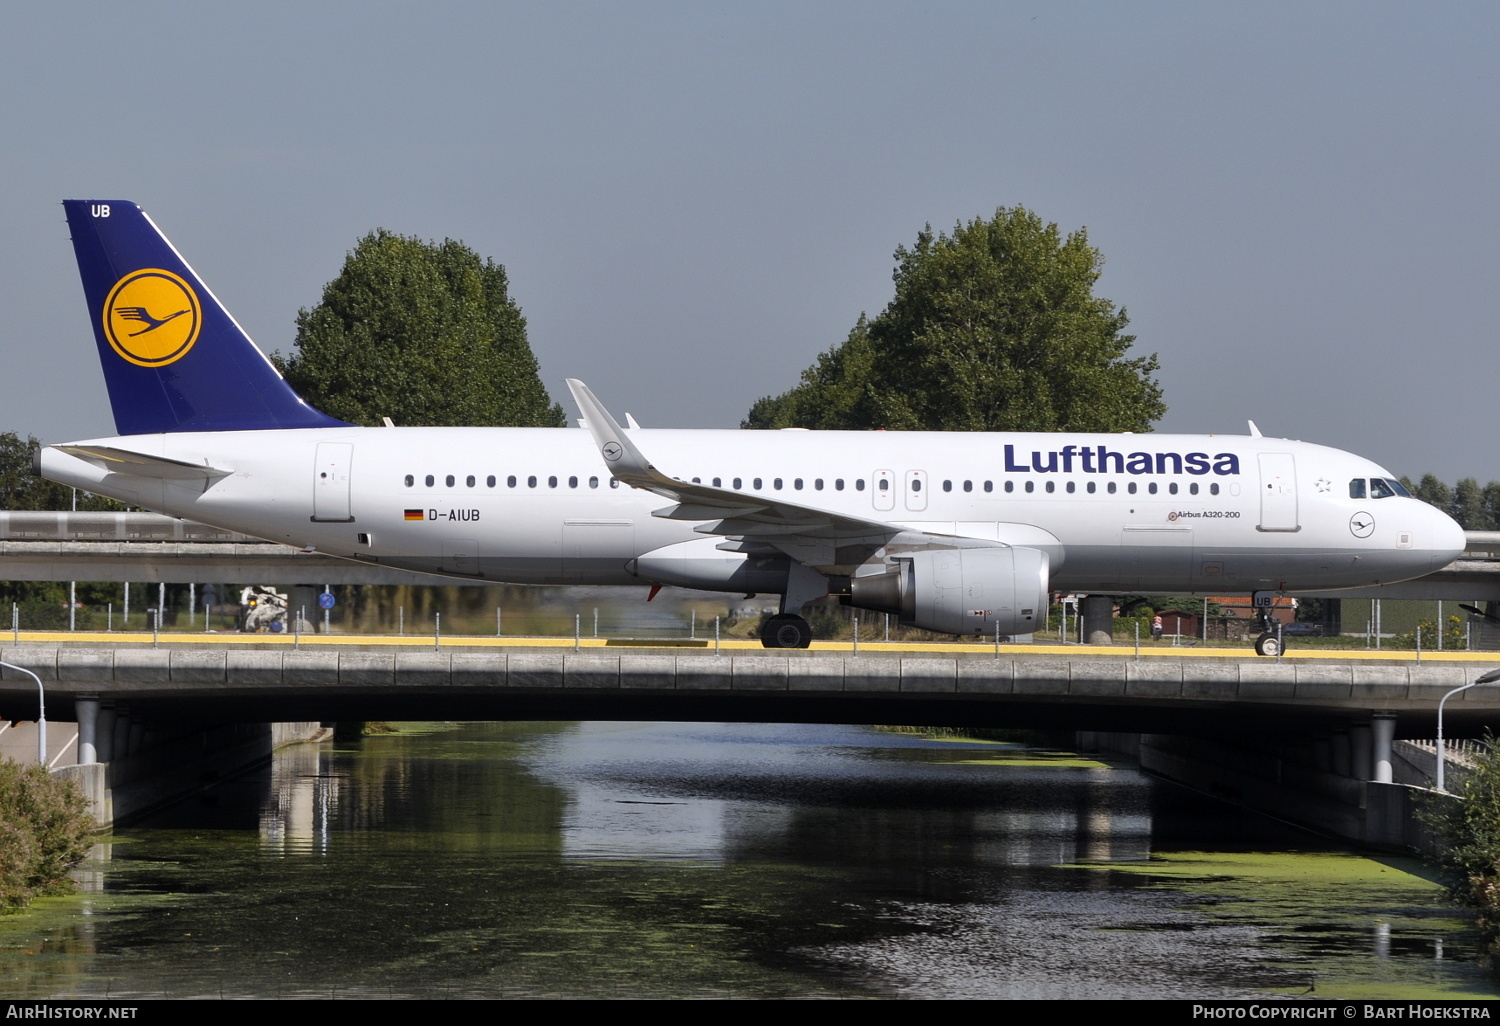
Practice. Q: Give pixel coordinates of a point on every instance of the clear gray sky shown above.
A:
(1297, 202)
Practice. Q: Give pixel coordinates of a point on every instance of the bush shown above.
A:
(45, 830)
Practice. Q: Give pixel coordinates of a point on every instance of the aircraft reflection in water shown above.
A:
(966, 533)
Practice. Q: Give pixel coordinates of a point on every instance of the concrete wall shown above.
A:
(1384, 816)
(173, 769)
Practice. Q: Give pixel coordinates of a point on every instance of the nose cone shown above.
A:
(1442, 538)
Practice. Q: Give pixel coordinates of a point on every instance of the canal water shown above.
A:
(725, 860)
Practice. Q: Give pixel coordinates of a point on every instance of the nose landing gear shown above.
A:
(1269, 642)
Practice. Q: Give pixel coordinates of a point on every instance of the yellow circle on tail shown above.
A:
(152, 317)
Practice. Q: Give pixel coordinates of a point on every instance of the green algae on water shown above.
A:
(1358, 927)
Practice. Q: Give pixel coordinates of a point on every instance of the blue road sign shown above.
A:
(326, 600)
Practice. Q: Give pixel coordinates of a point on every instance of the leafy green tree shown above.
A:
(1492, 505)
(45, 830)
(423, 333)
(1469, 508)
(1432, 491)
(992, 328)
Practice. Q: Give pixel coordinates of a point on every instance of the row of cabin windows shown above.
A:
(510, 482)
(883, 485)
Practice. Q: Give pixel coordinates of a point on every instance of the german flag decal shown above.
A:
(414, 514)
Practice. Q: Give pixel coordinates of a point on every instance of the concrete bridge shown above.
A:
(1310, 737)
(1098, 689)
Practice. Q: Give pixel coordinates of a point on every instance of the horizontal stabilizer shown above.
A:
(123, 461)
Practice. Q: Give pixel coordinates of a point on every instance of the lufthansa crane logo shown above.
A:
(152, 317)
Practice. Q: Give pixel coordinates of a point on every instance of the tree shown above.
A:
(423, 333)
(992, 328)
(1433, 492)
(1469, 508)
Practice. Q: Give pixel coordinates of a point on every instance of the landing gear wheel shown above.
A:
(784, 630)
(1268, 644)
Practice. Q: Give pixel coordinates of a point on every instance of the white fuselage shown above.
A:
(1117, 513)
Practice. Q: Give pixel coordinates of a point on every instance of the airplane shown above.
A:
(961, 533)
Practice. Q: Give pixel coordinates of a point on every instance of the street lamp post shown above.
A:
(1442, 753)
(41, 712)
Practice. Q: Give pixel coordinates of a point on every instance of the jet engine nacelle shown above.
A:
(961, 591)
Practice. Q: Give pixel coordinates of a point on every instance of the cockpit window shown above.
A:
(1399, 487)
(1357, 488)
(1379, 489)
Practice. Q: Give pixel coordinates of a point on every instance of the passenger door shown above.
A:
(1278, 492)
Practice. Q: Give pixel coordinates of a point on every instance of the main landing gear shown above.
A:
(785, 630)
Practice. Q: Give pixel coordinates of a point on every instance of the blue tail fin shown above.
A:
(174, 360)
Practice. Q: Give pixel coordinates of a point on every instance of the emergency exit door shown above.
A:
(331, 482)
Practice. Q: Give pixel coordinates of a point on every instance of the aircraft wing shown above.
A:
(832, 543)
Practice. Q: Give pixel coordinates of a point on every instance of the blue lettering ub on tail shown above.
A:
(174, 360)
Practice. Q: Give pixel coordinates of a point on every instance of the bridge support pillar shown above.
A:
(1383, 731)
(1098, 613)
(104, 733)
(86, 711)
(1361, 751)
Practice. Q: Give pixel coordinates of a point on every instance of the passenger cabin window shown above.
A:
(1110, 488)
(797, 483)
(1213, 489)
(531, 481)
(885, 485)
(1091, 487)
(1151, 488)
(551, 482)
(718, 483)
(818, 483)
(614, 482)
(410, 480)
(469, 481)
(1051, 486)
(989, 486)
(859, 484)
(1130, 488)
(1072, 487)
(776, 483)
(755, 484)
(1031, 486)
(450, 480)
(916, 484)
(1193, 488)
(510, 482)
(1010, 486)
(572, 482)
(947, 486)
(430, 481)
(737, 483)
(489, 482)
(1357, 488)
(838, 484)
